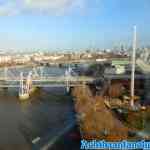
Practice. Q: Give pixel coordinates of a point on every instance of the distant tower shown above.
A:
(133, 66)
(122, 48)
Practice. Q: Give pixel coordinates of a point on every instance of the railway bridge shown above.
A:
(26, 82)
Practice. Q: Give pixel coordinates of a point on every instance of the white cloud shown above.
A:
(47, 4)
(8, 8)
(12, 7)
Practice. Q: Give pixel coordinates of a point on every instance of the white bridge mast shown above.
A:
(133, 66)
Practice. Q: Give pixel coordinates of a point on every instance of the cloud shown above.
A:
(48, 4)
(13, 7)
(8, 8)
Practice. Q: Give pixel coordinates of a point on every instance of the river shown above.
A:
(34, 123)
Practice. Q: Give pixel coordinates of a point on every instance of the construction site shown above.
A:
(117, 107)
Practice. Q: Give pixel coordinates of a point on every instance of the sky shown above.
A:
(27, 25)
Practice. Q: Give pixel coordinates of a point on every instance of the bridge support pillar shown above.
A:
(5, 77)
(68, 89)
(29, 85)
(67, 74)
(5, 73)
(23, 92)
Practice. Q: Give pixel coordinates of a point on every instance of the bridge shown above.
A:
(126, 76)
(56, 62)
(36, 77)
(75, 61)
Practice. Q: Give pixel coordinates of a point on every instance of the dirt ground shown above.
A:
(96, 121)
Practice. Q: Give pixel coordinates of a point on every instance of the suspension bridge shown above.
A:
(26, 81)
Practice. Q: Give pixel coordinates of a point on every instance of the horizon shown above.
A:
(31, 25)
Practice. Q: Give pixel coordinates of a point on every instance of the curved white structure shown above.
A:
(23, 92)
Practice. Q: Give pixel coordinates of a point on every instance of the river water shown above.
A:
(23, 125)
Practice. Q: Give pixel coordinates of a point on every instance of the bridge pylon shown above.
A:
(5, 73)
(29, 82)
(23, 92)
(68, 75)
(35, 73)
(41, 72)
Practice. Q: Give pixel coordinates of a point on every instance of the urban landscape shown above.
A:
(74, 75)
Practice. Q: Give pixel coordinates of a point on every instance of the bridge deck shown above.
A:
(39, 85)
(126, 76)
(48, 81)
(52, 79)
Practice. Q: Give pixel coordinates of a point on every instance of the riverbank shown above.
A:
(95, 119)
(98, 121)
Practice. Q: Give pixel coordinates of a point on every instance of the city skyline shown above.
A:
(72, 24)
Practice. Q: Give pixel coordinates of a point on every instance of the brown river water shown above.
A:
(34, 123)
